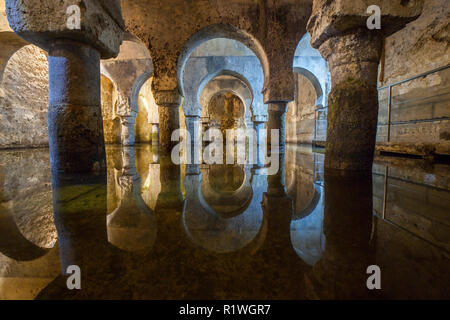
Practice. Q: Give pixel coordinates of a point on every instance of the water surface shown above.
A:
(153, 230)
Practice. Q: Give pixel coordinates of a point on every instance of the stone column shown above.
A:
(155, 134)
(353, 101)
(261, 143)
(277, 121)
(341, 32)
(75, 123)
(259, 127)
(127, 135)
(169, 103)
(193, 127)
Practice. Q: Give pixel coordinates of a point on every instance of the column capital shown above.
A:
(340, 17)
(41, 22)
(277, 107)
(168, 98)
(260, 119)
(127, 119)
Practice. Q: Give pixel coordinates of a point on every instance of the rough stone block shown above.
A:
(39, 22)
(330, 18)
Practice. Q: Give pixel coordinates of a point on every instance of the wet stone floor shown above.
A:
(153, 230)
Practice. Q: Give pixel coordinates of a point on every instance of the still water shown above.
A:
(153, 230)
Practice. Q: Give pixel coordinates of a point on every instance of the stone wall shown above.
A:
(226, 111)
(420, 111)
(148, 114)
(24, 99)
(300, 114)
(111, 123)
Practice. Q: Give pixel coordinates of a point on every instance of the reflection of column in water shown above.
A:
(170, 198)
(132, 226)
(278, 209)
(79, 204)
(341, 273)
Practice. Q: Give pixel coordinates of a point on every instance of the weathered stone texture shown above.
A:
(334, 18)
(272, 29)
(24, 99)
(421, 46)
(40, 22)
(26, 195)
(111, 123)
(420, 109)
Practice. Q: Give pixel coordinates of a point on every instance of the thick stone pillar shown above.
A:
(340, 30)
(353, 101)
(259, 128)
(75, 123)
(342, 271)
(277, 121)
(169, 103)
(128, 133)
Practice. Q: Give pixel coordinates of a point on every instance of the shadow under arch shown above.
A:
(226, 31)
(314, 81)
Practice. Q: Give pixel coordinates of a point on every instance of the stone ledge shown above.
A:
(416, 149)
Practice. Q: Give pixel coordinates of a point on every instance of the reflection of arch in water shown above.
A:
(219, 201)
(216, 233)
(307, 237)
(13, 244)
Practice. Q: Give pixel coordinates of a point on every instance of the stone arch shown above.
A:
(236, 85)
(111, 122)
(129, 71)
(202, 71)
(23, 78)
(220, 30)
(309, 63)
(314, 81)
